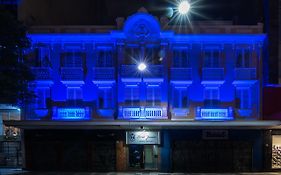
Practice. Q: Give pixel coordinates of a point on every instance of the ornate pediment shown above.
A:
(142, 26)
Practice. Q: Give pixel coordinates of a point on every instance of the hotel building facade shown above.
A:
(196, 106)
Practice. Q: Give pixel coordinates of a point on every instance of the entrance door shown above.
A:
(150, 157)
(143, 157)
(136, 156)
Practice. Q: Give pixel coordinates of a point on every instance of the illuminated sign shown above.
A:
(214, 114)
(71, 114)
(142, 137)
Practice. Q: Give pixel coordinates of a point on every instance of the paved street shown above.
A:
(5, 171)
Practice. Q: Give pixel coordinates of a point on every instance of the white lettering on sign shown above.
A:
(142, 137)
(214, 113)
(71, 113)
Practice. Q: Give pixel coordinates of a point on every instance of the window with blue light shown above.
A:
(43, 94)
(149, 53)
(105, 98)
(181, 57)
(104, 56)
(132, 95)
(133, 54)
(243, 58)
(180, 97)
(211, 96)
(243, 97)
(153, 95)
(74, 93)
(152, 54)
(212, 58)
(39, 56)
(73, 56)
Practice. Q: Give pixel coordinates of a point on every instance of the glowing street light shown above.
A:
(141, 67)
(183, 7)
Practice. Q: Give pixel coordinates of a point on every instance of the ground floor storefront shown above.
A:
(162, 150)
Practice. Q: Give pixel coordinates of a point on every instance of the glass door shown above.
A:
(136, 156)
(150, 157)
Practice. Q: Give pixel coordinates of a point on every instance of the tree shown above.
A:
(15, 74)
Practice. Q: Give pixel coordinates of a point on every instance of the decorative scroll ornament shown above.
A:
(141, 31)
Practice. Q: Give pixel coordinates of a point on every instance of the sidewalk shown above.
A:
(4, 171)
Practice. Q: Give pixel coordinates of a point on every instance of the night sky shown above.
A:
(104, 12)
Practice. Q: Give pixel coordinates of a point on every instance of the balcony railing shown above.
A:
(152, 71)
(143, 112)
(104, 73)
(42, 73)
(181, 73)
(212, 74)
(72, 74)
(245, 74)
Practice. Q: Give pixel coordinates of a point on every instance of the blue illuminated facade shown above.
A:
(188, 76)
(197, 101)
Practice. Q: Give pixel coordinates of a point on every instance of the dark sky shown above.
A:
(245, 11)
(104, 12)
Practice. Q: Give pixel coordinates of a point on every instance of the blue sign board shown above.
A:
(214, 114)
(71, 114)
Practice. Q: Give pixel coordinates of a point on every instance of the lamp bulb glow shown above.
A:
(141, 66)
(183, 7)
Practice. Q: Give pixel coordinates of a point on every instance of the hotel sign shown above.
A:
(143, 137)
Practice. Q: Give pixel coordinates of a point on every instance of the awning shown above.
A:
(154, 124)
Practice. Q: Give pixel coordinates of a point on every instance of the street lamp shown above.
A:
(141, 67)
(183, 7)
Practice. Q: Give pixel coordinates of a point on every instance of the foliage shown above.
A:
(15, 75)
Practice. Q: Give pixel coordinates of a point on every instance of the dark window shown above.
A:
(180, 58)
(104, 58)
(243, 94)
(105, 98)
(72, 59)
(243, 58)
(180, 98)
(212, 58)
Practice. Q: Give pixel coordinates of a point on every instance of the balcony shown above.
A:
(70, 75)
(153, 72)
(212, 75)
(245, 75)
(103, 74)
(42, 74)
(143, 113)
